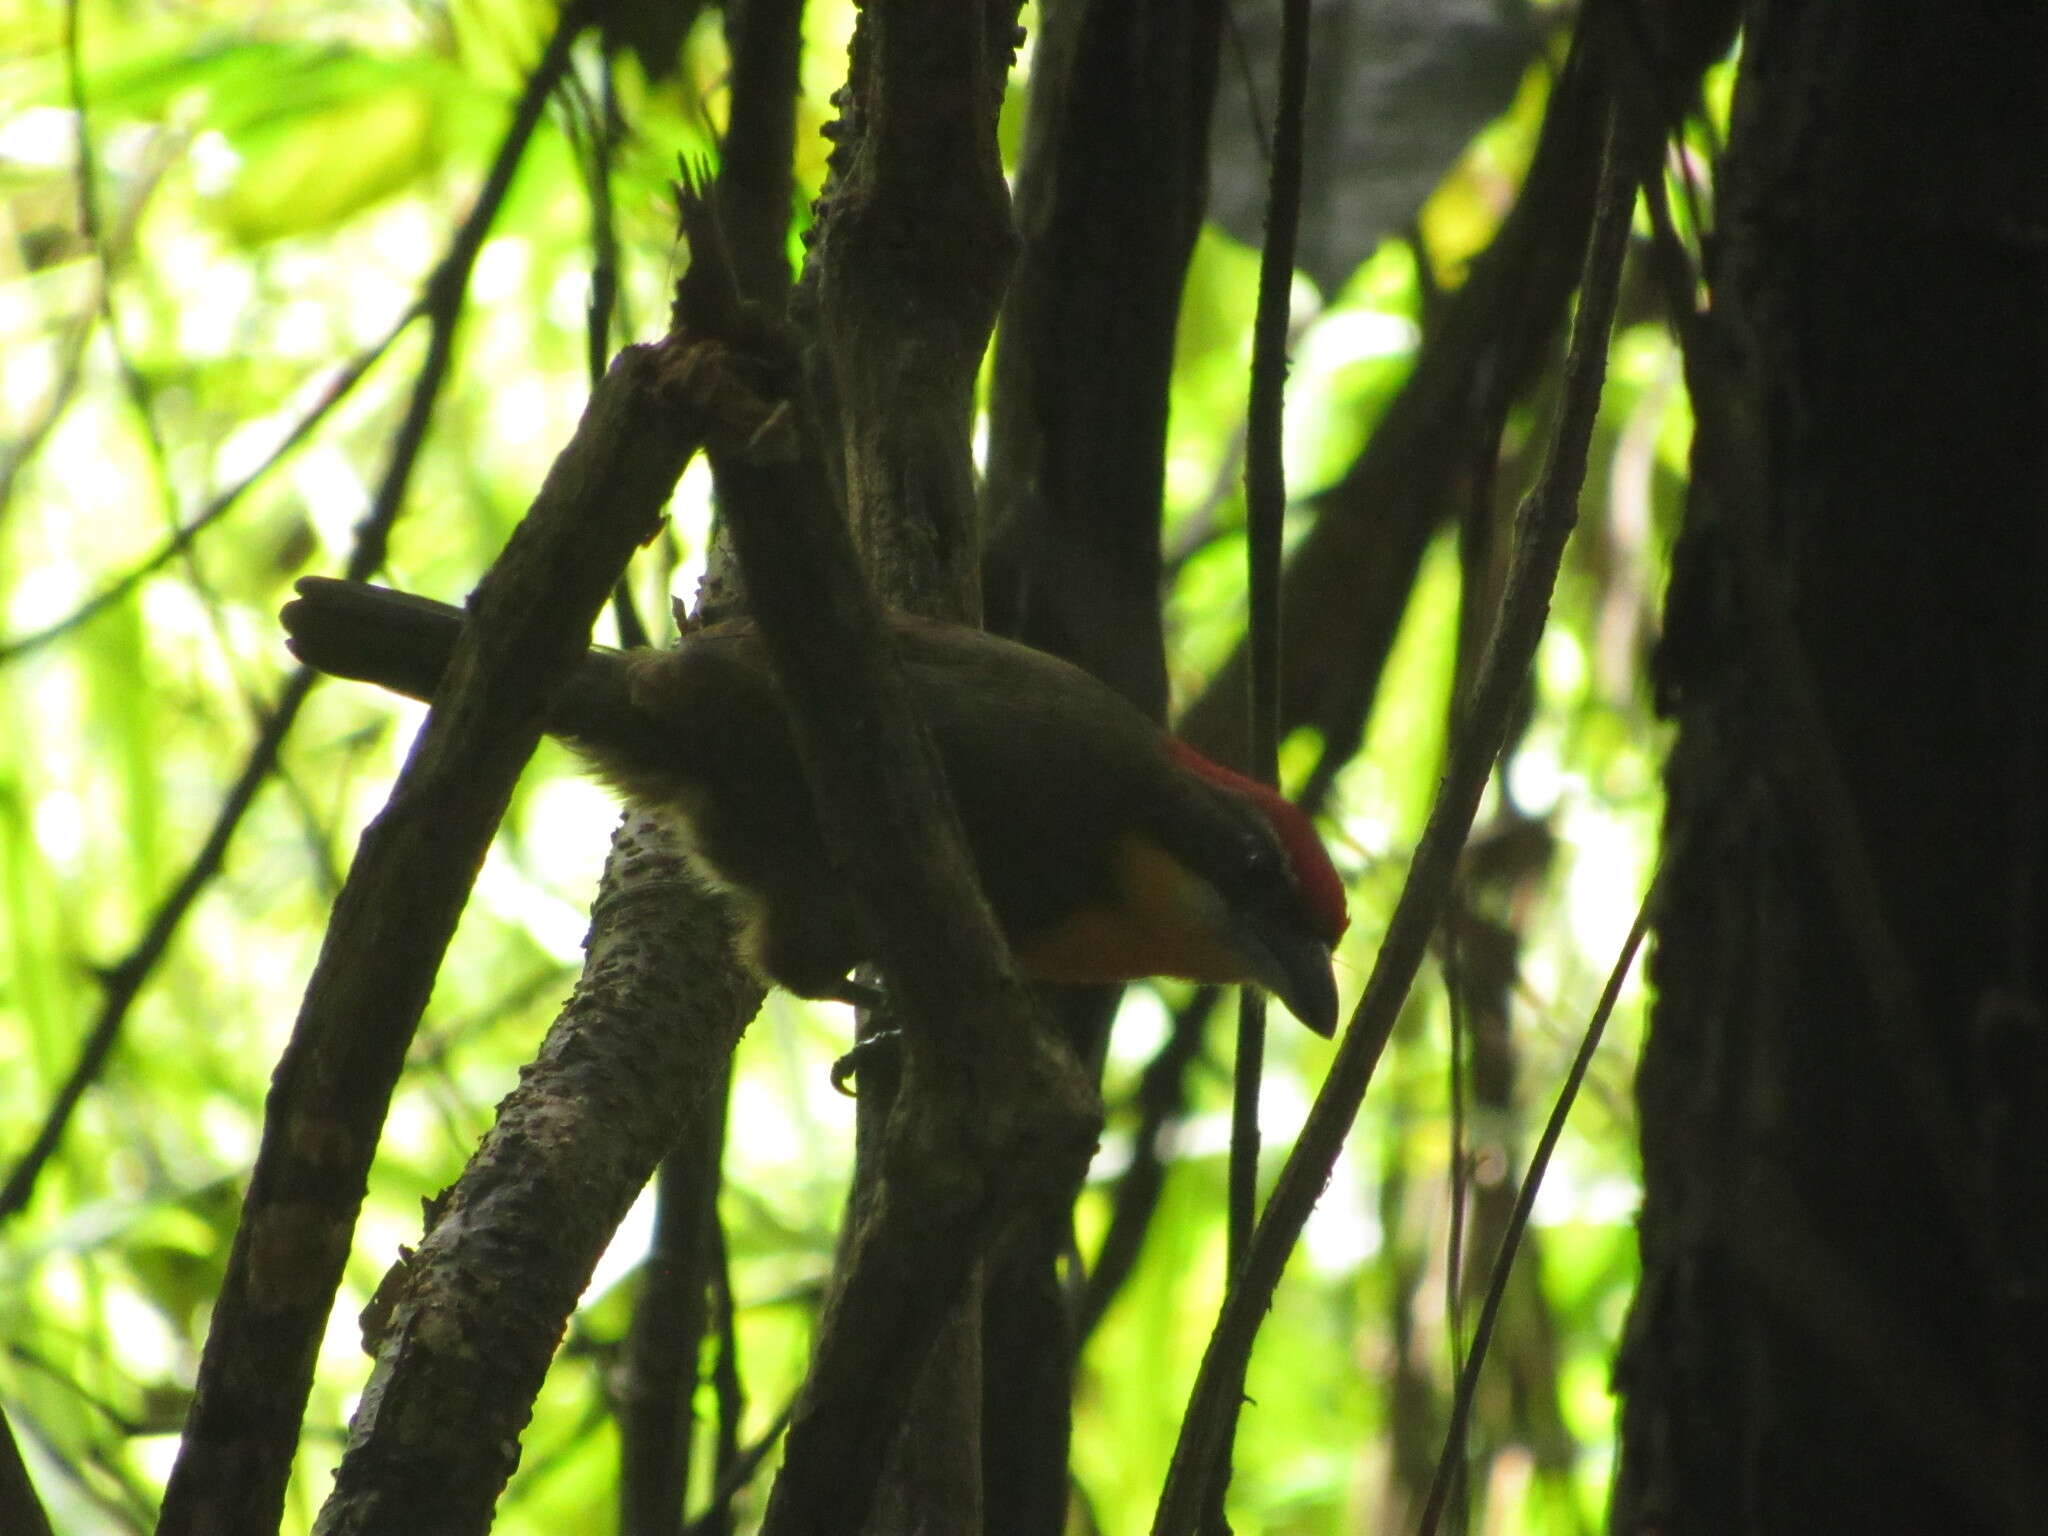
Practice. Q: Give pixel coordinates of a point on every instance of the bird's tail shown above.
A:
(403, 642)
(372, 634)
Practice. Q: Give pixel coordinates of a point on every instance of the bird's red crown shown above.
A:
(1322, 891)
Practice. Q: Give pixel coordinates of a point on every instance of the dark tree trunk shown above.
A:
(1110, 192)
(1845, 1092)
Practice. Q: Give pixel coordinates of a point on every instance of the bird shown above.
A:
(1108, 849)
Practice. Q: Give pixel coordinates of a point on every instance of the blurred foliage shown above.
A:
(272, 184)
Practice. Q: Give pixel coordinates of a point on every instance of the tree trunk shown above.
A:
(1844, 1093)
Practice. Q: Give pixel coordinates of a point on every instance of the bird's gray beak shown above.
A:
(1291, 965)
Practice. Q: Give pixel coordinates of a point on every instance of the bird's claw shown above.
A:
(879, 1048)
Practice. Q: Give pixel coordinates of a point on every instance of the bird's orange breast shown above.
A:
(1159, 919)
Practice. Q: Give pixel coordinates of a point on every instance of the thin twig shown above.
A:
(1544, 523)
(1460, 1184)
(1350, 574)
(125, 1501)
(1240, 55)
(1453, 1456)
(595, 128)
(219, 506)
(442, 304)
(728, 1468)
(659, 1373)
(122, 981)
(736, 1476)
(1162, 1098)
(105, 245)
(1265, 481)
(1265, 512)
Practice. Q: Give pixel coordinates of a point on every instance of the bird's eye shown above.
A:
(1265, 866)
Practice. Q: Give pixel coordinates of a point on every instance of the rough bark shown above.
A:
(992, 1121)
(1839, 1322)
(628, 1068)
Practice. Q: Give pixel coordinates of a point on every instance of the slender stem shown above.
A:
(1265, 479)
(1545, 521)
(1453, 1455)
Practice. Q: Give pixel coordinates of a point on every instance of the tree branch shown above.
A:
(530, 622)
(1111, 183)
(21, 1512)
(911, 254)
(658, 1382)
(993, 1115)
(628, 1073)
(756, 185)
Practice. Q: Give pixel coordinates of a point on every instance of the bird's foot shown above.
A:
(881, 1049)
